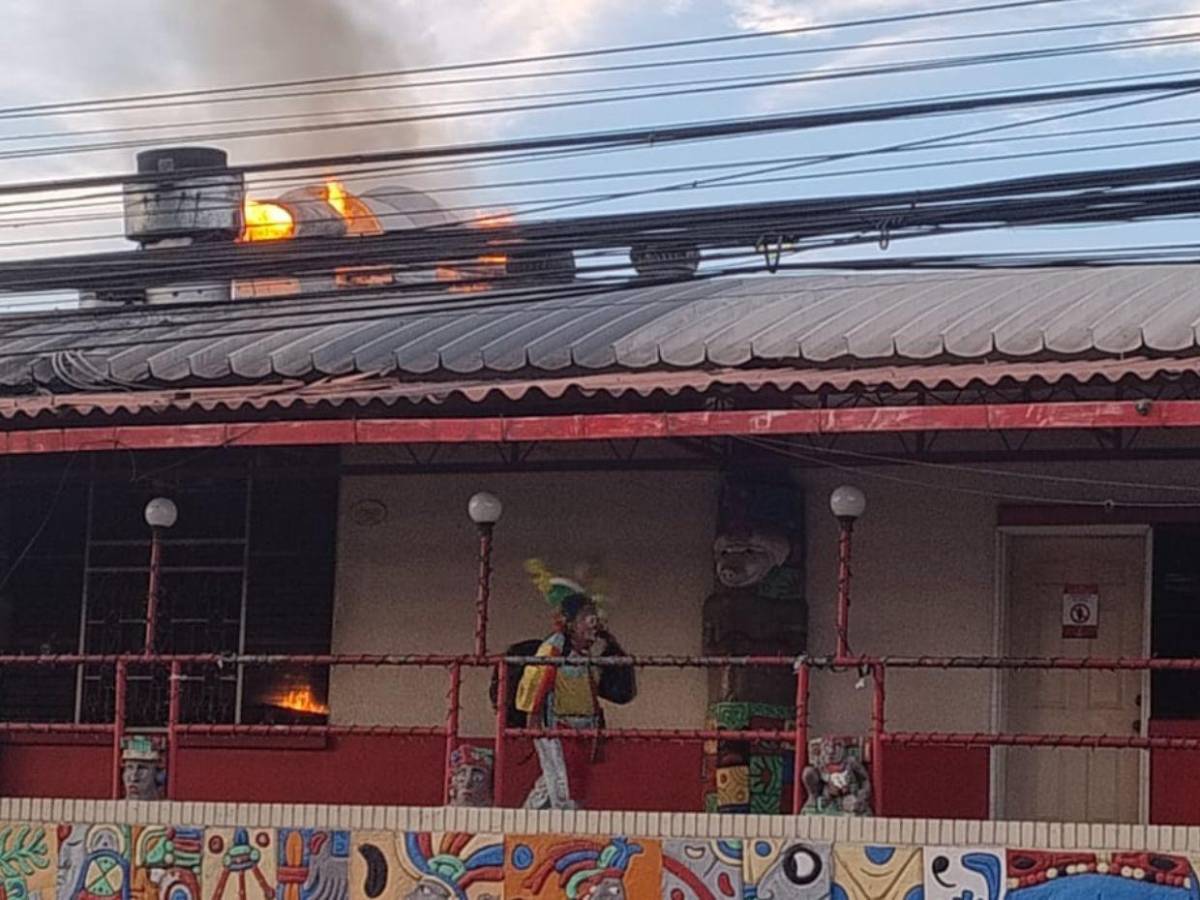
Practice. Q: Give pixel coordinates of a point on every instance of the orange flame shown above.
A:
(474, 277)
(357, 215)
(266, 222)
(302, 700)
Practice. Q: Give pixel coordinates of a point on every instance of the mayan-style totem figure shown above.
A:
(835, 779)
(471, 776)
(757, 608)
(568, 695)
(142, 771)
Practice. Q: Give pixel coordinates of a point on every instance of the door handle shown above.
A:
(1136, 725)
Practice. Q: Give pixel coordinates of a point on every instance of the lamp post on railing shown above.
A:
(161, 514)
(848, 503)
(484, 510)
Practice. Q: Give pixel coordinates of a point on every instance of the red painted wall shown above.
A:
(1175, 777)
(935, 782)
(637, 775)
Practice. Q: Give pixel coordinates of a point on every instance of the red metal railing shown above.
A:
(797, 737)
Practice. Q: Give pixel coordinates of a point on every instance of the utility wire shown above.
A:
(513, 205)
(552, 57)
(707, 227)
(493, 78)
(646, 136)
(885, 459)
(417, 168)
(781, 80)
(946, 487)
(391, 307)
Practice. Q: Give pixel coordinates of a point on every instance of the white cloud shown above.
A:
(778, 15)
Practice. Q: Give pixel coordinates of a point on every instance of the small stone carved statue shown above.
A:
(471, 776)
(836, 780)
(141, 769)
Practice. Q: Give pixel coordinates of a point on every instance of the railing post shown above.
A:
(483, 589)
(501, 728)
(118, 725)
(452, 713)
(152, 588)
(800, 751)
(842, 622)
(878, 724)
(173, 729)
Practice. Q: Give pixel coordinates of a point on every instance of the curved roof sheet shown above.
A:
(823, 321)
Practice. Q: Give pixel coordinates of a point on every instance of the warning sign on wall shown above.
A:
(1081, 611)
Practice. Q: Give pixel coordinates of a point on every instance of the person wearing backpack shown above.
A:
(568, 695)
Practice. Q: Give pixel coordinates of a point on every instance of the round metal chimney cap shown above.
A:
(178, 159)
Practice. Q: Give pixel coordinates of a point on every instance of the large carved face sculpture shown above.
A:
(140, 777)
(745, 560)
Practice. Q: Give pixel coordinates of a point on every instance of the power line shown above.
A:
(512, 205)
(492, 78)
(744, 224)
(553, 57)
(995, 473)
(782, 80)
(509, 158)
(942, 485)
(651, 136)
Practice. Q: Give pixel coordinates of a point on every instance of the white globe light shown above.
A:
(848, 502)
(485, 509)
(161, 513)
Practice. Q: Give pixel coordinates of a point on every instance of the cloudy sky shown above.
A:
(72, 50)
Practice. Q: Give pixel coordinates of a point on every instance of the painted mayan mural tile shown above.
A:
(426, 866)
(128, 862)
(239, 864)
(564, 867)
(863, 872)
(964, 873)
(787, 870)
(312, 864)
(28, 861)
(1042, 875)
(701, 869)
(167, 863)
(94, 862)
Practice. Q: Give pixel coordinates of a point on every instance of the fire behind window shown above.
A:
(248, 567)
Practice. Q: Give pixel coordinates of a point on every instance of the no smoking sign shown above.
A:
(1081, 611)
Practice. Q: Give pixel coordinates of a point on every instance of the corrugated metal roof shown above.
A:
(810, 320)
(363, 390)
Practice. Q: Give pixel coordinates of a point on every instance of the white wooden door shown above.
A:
(1072, 784)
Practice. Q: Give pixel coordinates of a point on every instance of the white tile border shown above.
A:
(922, 832)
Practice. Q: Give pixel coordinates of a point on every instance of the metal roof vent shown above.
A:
(192, 197)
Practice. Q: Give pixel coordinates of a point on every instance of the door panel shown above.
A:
(1072, 784)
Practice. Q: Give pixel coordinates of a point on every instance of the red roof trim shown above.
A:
(747, 423)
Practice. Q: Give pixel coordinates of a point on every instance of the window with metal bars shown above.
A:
(248, 568)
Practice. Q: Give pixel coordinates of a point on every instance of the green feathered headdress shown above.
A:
(557, 588)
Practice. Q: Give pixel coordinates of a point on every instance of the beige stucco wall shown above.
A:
(407, 585)
(924, 578)
(925, 574)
